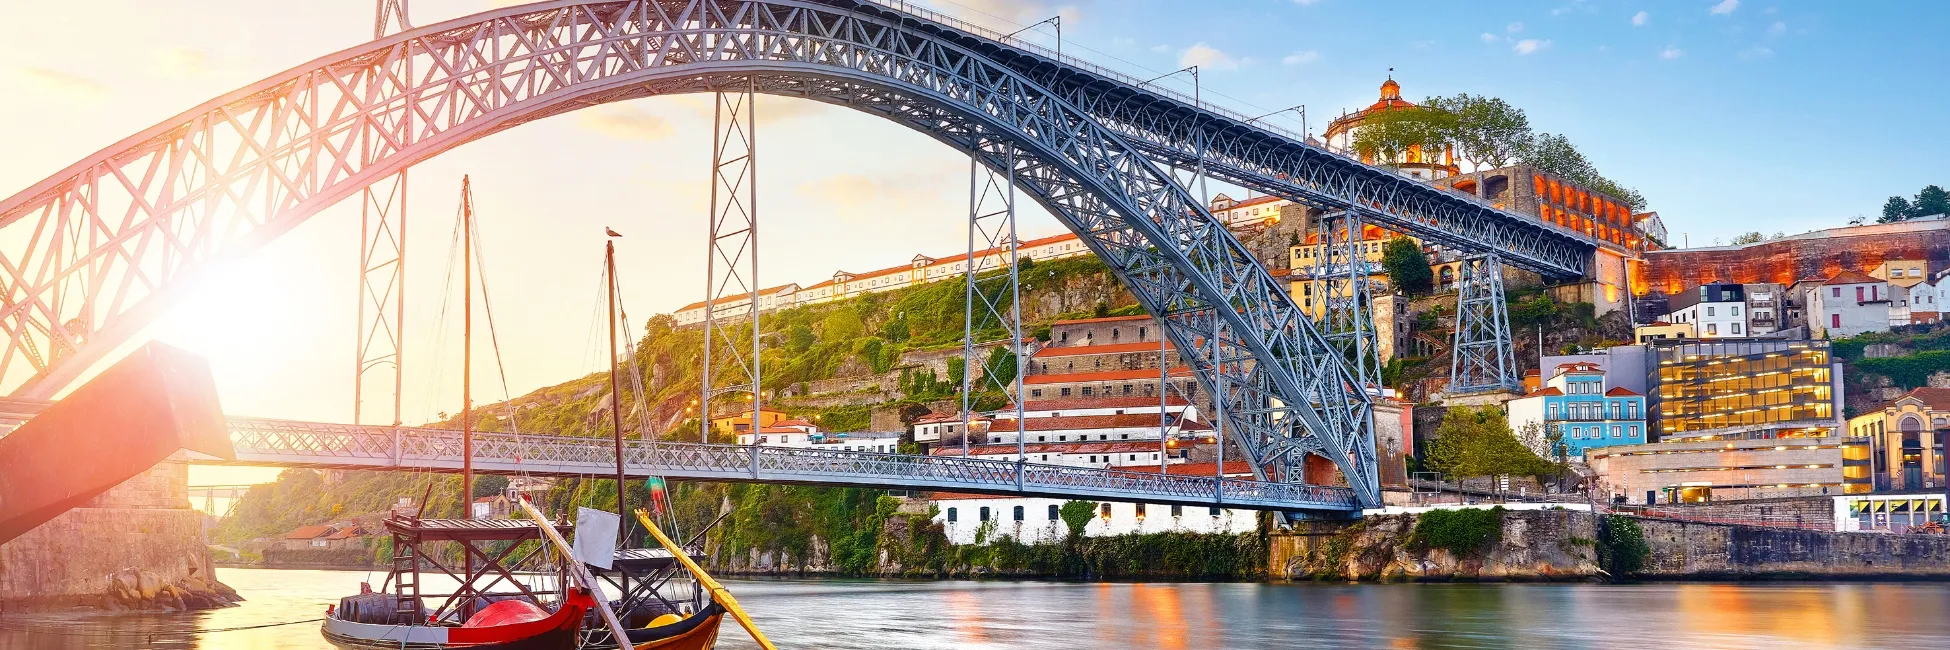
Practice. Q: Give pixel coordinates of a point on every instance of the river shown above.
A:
(849, 614)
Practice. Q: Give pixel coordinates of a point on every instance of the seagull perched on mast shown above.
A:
(612, 232)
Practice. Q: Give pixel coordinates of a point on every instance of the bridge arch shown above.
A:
(90, 255)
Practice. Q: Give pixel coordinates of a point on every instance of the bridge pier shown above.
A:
(1481, 361)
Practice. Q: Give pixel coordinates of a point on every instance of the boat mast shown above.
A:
(467, 352)
(615, 396)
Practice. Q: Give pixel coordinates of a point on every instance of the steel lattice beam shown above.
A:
(1481, 360)
(106, 244)
(993, 301)
(731, 262)
(381, 324)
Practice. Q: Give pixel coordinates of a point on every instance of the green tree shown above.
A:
(1000, 366)
(490, 485)
(1475, 442)
(1749, 238)
(1486, 131)
(1554, 154)
(1388, 135)
(799, 338)
(1407, 266)
(1101, 311)
(1896, 209)
(1076, 515)
(841, 325)
(1932, 200)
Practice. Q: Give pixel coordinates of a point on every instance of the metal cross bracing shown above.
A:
(731, 262)
(382, 256)
(1339, 284)
(1480, 357)
(150, 213)
(286, 443)
(994, 302)
(1175, 129)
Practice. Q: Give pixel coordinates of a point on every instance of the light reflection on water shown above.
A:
(844, 615)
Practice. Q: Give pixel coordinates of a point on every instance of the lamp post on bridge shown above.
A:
(1056, 20)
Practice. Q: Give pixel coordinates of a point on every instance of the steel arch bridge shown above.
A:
(95, 252)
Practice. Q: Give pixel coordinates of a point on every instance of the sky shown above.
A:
(1728, 115)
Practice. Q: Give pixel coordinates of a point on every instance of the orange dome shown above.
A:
(1390, 89)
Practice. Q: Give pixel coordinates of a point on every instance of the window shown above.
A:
(1140, 334)
(1086, 391)
(1140, 511)
(1858, 294)
(1736, 329)
(1632, 432)
(1177, 510)
(1214, 510)
(1736, 310)
(985, 513)
(1834, 320)
(1065, 336)
(1065, 392)
(1018, 513)
(1709, 311)
(1103, 510)
(1711, 328)
(1114, 333)
(1837, 292)
(1053, 515)
(1553, 415)
(1036, 392)
(953, 515)
(1616, 431)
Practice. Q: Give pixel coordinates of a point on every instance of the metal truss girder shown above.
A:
(1481, 359)
(992, 247)
(382, 259)
(1339, 283)
(286, 443)
(277, 152)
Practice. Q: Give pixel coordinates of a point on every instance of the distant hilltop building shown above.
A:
(1816, 255)
(1414, 163)
(844, 284)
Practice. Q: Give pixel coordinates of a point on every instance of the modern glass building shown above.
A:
(1708, 390)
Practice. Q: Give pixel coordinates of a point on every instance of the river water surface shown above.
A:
(839, 614)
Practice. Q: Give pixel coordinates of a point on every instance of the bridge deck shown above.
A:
(287, 443)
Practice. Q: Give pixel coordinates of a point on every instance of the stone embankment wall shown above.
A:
(138, 546)
(1564, 545)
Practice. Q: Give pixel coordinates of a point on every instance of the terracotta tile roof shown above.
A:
(932, 418)
(1621, 391)
(795, 422)
(1116, 447)
(1850, 277)
(308, 532)
(1106, 319)
(1108, 375)
(1098, 403)
(1257, 200)
(348, 532)
(700, 304)
(1547, 391)
(1936, 398)
(1114, 348)
(1087, 422)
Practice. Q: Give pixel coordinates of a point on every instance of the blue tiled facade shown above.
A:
(1590, 414)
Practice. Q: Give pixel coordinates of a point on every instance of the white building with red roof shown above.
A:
(974, 518)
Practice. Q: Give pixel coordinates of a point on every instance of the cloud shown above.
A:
(1530, 45)
(180, 62)
(1639, 19)
(1490, 38)
(855, 191)
(1306, 3)
(63, 85)
(1725, 7)
(624, 122)
(1010, 15)
(1513, 27)
(1207, 57)
(1756, 52)
(1671, 53)
(1777, 29)
(1300, 57)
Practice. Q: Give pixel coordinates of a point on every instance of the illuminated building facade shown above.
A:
(1414, 163)
(1699, 390)
(1906, 437)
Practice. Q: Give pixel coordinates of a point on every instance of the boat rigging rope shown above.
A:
(45, 629)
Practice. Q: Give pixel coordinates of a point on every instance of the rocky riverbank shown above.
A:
(1551, 545)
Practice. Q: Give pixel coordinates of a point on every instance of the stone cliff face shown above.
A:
(1546, 545)
(1564, 545)
(137, 546)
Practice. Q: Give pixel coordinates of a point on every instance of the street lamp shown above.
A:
(1056, 20)
(1302, 109)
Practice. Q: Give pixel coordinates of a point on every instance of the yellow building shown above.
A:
(1906, 439)
(1306, 259)
(1902, 273)
(1664, 330)
(741, 422)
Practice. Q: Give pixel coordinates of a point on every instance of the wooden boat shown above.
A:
(472, 616)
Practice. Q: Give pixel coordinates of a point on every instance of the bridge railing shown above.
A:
(259, 439)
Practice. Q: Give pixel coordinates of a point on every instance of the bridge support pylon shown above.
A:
(1481, 361)
(731, 257)
(382, 247)
(992, 303)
